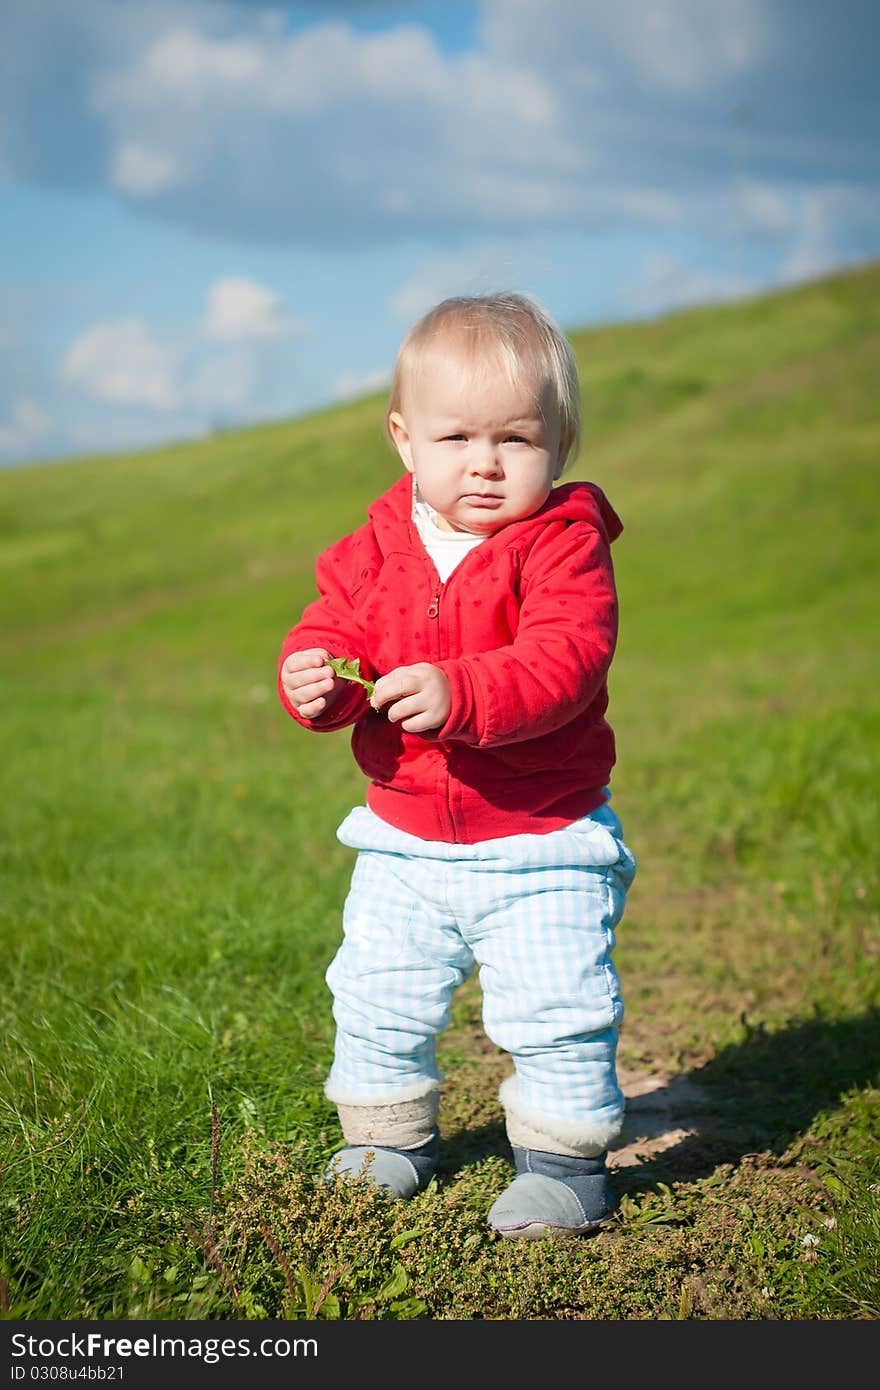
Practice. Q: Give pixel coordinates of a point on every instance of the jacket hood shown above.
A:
(580, 501)
(583, 502)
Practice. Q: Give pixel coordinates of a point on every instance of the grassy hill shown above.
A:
(172, 885)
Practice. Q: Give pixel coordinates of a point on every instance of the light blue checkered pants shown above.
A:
(535, 913)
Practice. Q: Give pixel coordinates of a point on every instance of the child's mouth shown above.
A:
(482, 499)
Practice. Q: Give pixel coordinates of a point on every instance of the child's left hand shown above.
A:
(417, 696)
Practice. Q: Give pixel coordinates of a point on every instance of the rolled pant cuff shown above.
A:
(413, 1090)
(528, 1128)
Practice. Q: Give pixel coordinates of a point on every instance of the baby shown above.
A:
(479, 600)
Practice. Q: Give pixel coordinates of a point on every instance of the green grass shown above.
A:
(172, 885)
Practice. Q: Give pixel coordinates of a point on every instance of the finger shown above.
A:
(382, 692)
(315, 657)
(406, 709)
(297, 682)
(309, 691)
(309, 675)
(393, 686)
(420, 723)
(312, 709)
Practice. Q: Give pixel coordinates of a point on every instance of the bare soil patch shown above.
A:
(661, 1112)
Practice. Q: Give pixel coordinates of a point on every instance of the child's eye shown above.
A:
(517, 439)
(453, 436)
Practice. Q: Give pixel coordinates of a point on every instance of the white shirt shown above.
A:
(446, 548)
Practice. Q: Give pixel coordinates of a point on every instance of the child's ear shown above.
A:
(400, 435)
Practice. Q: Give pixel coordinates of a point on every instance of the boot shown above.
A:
(553, 1195)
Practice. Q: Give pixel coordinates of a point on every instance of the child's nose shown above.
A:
(485, 458)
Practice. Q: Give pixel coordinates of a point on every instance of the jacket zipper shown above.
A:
(434, 614)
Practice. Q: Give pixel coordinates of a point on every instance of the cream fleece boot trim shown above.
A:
(528, 1128)
(407, 1125)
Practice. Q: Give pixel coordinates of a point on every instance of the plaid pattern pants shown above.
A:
(534, 913)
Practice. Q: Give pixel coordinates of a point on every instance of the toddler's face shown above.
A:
(482, 451)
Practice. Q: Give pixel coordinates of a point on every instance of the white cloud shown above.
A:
(349, 384)
(662, 283)
(239, 307)
(121, 361)
(481, 269)
(110, 434)
(216, 368)
(571, 114)
(142, 171)
(814, 251)
(330, 134)
(818, 218)
(814, 228)
(571, 117)
(184, 58)
(762, 207)
(440, 277)
(26, 424)
(223, 384)
(681, 46)
(687, 45)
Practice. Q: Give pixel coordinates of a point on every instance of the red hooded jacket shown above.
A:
(524, 628)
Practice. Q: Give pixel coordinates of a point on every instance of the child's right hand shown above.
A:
(309, 684)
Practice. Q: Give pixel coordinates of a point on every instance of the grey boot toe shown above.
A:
(534, 1206)
(399, 1173)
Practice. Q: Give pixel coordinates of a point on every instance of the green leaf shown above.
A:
(404, 1237)
(394, 1286)
(351, 671)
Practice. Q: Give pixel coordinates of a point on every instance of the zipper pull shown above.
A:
(434, 605)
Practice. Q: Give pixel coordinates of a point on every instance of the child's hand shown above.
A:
(417, 696)
(309, 683)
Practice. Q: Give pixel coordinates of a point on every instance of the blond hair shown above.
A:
(524, 339)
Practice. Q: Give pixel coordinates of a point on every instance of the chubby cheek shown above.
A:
(540, 496)
(437, 483)
(536, 490)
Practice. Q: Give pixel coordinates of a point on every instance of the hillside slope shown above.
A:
(754, 404)
(172, 884)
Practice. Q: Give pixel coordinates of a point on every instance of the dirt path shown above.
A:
(661, 1111)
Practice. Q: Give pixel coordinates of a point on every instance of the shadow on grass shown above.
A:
(761, 1094)
(756, 1096)
(460, 1148)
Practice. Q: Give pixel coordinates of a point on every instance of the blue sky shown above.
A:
(223, 211)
